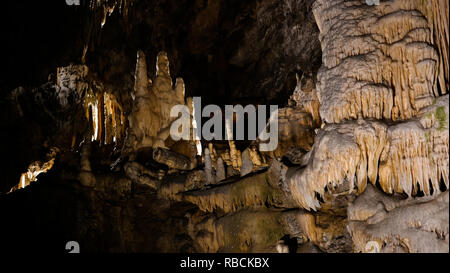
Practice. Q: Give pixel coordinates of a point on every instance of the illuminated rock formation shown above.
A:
(377, 61)
(71, 78)
(103, 111)
(262, 230)
(404, 157)
(235, 233)
(377, 76)
(391, 224)
(252, 191)
(35, 169)
(150, 119)
(297, 121)
(173, 160)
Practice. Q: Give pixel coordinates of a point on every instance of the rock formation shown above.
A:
(364, 140)
(394, 225)
(150, 120)
(362, 161)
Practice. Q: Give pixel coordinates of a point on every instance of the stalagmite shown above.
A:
(150, 119)
(247, 164)
(87, 178)
(235, 155)
(208, 167)
(220, 171)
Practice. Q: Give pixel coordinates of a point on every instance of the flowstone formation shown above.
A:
(377, 61)
(386, 122)
(376, 95)
(409, 157)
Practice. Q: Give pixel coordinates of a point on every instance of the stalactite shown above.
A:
(404, 157)
(378, 61)
(437, 14)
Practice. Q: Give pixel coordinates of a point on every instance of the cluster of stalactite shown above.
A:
(103, 111)
(105, 116)
(376, 89)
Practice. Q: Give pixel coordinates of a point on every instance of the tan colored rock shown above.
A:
(173, 186)
(381, 223)
(297, 121)
(295, 129)
(150, 118)
(71, 78)
(405, 156)
(263, 230)
(244, 231)
(252, 191)
(36, 168)
(418, 153)
(305, 96)
(235, 155)
(220, 170)
(114, 119)
(210, 176)
(378, 61)
(247, 164)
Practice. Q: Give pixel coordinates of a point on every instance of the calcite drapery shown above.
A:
(378, 61)
(404, 157)
(379, 67)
